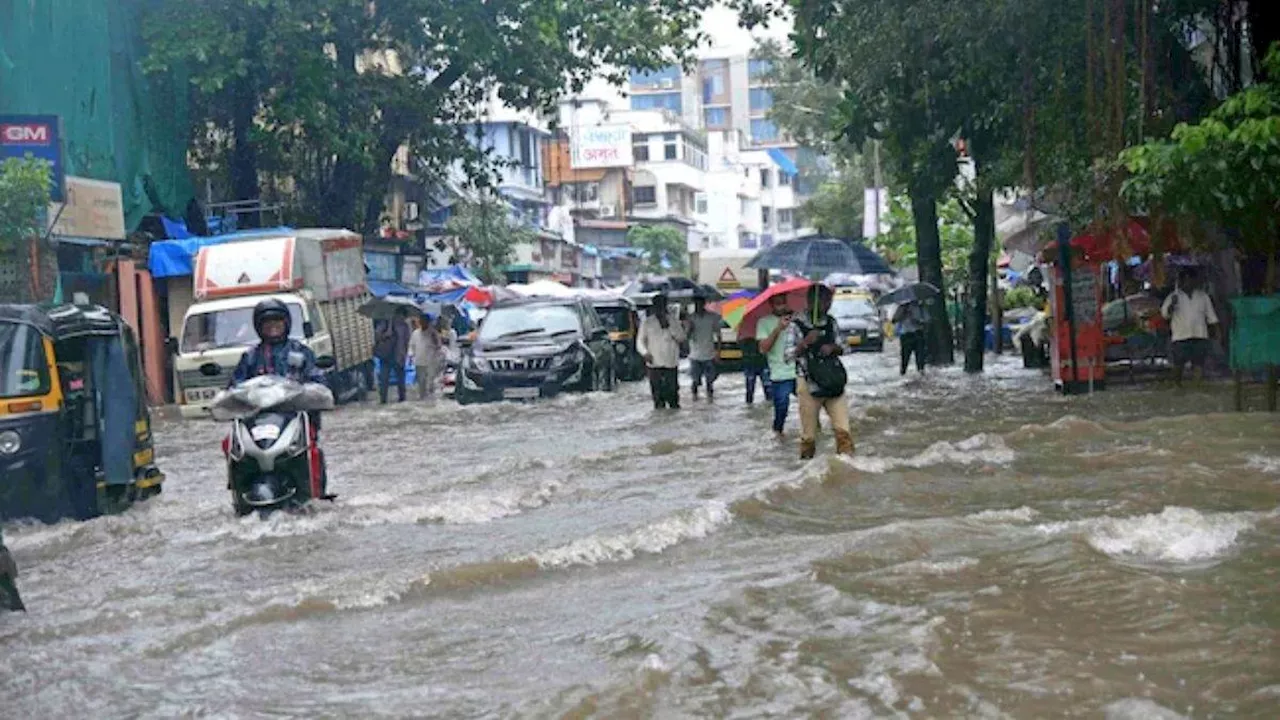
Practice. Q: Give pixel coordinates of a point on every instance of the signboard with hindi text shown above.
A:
(601, 146)
(94, 209)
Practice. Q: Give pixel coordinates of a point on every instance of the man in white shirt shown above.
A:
(658, 342)
(703, 329)
(1189, 310)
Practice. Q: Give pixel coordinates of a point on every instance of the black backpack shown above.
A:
(826, 374)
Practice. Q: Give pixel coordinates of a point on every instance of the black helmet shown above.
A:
(271, 309)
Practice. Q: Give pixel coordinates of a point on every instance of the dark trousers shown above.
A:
(664, 383)
(912, 343)
(384, 378)
(752, 374)
(701, 370)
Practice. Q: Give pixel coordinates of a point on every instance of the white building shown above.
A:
(730, 207)
(670, 171)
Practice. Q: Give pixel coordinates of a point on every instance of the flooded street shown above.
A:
(993, 551)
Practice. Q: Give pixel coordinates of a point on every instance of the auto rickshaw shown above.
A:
(620, 317)
(75, 432)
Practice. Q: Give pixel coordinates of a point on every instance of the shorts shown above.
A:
(1195, 351)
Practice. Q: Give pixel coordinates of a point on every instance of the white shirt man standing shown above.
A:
(658, 342)
(1189, 310)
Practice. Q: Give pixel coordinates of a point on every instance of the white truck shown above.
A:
(726, 269)
(318, 274)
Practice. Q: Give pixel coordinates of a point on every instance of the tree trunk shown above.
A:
(924, 211)
(984, 233)
(244, 156)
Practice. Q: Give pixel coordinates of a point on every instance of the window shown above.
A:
(716, 117)
(764, 178)
(670, 146)
(712, 88)
(784, 179)
(666, 77)
(785, 218)
(644, 195)
(766, 215)
(763, 131)
(640, 148)
(584, 192)
(701, 204)
(23, 370)
(660, 101)
(761, 99)
(757, 69)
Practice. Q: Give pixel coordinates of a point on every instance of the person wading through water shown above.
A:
(703, 331)
(777, 343)
(822, 376)
(659, 343)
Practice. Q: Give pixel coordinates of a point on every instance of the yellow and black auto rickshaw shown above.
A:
(619, 315)
(75, 432)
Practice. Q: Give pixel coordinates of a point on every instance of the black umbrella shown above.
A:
(908, 293)
(820, 256)
(385, 308)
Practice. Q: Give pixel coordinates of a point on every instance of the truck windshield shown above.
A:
(23, 371)
(232, 327)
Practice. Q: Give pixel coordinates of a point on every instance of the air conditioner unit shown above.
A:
(608, 211)
(411, 211)
(667, 83)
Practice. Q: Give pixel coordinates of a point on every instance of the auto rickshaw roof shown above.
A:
(613, 302)
(63, 322)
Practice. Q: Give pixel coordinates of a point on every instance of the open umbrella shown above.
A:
(920, 291)
(385, 308)
(819, 256)
(794, 290)
(733, 307)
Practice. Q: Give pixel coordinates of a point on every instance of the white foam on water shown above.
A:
(649, 539)
(1139, 709)
(1176, 534)
(934, 567)
(1022, 514)
(1264, 463)
(984, 448)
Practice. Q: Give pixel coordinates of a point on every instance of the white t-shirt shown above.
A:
(663, 344)
(1193, 316)
(703, 331)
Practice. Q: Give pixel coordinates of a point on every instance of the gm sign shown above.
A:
(35, 136)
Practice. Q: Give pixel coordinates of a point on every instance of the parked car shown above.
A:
(860, 323)
(537, 348)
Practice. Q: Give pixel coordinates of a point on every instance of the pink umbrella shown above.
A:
(794, 290)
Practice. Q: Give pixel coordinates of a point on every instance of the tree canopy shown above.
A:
(665, 248)
(486, 237)
(314, 98)
(24, 200)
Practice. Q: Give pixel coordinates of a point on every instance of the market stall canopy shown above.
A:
(544, 288)
(447, 278)
(1107, 244)
(176, 258)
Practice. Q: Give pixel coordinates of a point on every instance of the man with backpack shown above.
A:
(822, 376)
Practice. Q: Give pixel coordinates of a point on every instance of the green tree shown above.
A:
(316, 97)
(1224, 169)
(486, 237)
(24, 202)
(665, 249)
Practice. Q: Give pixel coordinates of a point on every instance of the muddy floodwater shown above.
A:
(993, 551)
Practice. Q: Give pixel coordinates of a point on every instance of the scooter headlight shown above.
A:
(10, 443)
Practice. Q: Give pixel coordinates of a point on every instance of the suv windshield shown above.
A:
(529, 320)
(230, 328)
(23, 371)
(852, 307)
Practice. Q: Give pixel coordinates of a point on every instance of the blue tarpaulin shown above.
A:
(454, 273)
(174, 258)
(382, 288)
(783, 161)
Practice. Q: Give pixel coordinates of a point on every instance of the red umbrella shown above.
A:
(794, 289)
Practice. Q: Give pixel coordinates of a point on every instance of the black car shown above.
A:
(860, 323)
(537, 348)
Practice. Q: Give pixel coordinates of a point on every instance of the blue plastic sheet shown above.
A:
(175, 258)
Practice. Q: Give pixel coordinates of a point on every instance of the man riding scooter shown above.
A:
(279, 354)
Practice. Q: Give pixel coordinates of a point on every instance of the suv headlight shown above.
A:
(10, 442)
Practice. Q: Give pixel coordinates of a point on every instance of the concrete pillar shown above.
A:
(151, 339)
